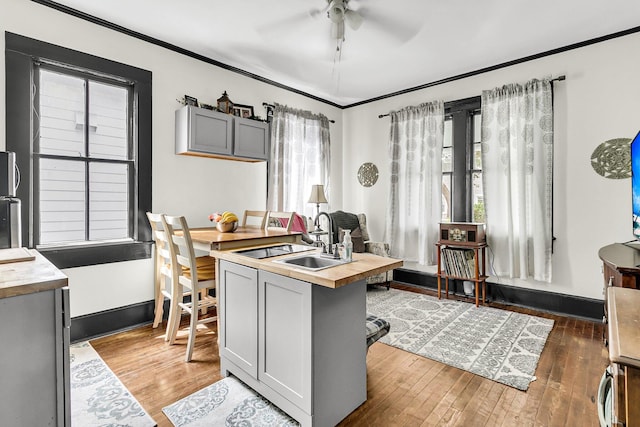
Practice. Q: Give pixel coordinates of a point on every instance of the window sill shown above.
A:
(82, 256)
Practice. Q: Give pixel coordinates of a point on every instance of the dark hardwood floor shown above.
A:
(403, 389)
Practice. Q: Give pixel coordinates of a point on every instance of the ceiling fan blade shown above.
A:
(398, 28)
(285, 23)
(315, 12)
(353, 18)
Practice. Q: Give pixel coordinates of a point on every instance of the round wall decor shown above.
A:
(612, 159)
(367, 174)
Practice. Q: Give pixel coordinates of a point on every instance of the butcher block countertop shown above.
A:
(363, 265)
(21, 275)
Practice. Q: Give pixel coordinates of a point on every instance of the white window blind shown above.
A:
(84, 159)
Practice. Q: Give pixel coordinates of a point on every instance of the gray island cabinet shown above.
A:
(34, 312)
(298, 343)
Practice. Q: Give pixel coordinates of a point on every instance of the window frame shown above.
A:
(21, 54)
(87, 159)
(461, 113)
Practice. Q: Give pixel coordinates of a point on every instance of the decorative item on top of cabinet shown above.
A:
(244, 111)
(190, 100)
(207, 133)
(224, 104)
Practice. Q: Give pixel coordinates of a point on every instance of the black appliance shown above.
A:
(10, 207)
(272, 251)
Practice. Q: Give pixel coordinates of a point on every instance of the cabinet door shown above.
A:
(32, 390)
(238, 317)
(251, 139)
(201, 131)
(285, 337)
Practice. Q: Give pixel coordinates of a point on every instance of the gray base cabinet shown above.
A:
(34, 361)
(301, 346)
(202, 132)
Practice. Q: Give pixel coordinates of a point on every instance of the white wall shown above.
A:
(594, 104)
(185, 185)
(598, 101)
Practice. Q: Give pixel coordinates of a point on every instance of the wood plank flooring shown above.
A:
(403, 389)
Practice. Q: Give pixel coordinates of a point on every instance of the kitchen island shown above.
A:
(34, 312)
(297, 336)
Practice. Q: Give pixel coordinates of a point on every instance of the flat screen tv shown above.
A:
(635, 184)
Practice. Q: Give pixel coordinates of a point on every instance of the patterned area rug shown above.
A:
(497, 344)
(98, 398)
(228, 402)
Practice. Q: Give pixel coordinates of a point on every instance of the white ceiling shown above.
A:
(401, 44)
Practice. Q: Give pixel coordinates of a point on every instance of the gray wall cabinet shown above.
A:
(301, 346)
(202, 132)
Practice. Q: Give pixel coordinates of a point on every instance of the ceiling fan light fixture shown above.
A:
(336, 11)
(337, 30)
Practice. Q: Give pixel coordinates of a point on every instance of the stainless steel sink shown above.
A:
(311, 262)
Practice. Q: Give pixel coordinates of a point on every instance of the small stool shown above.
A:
(377, 327)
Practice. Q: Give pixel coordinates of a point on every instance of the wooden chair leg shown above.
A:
(159, 308)
(193, 326)
(157, 285)
(172, 328)
(173, 324)
(203, 294)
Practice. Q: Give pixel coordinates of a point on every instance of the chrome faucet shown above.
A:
(316, 222)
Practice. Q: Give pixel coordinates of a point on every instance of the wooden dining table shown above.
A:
(210, 239)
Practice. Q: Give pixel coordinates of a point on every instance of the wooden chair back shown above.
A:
(275, 220)
(254, 219)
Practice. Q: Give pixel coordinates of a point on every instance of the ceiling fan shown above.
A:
(338, 12)
(378, 16)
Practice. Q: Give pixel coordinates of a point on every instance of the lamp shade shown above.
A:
(317, 194)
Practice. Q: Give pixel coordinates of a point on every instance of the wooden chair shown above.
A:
(162, 266)
(254, 219)
(276, 219)
(162, 272)
(189, 277)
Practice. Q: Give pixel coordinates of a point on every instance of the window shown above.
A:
(83, 157)
(86, 160)
(462, 198)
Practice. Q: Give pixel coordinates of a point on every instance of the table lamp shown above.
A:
(317, 196)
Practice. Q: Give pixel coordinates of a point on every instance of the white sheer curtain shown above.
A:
(300, 158)
(517, 160)
(414, 209)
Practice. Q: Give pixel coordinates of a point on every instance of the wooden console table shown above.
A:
(624, 355)
(621, 264)
(480, 268)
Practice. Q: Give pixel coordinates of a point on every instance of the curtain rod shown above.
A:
(557, 79)
(266, 105)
